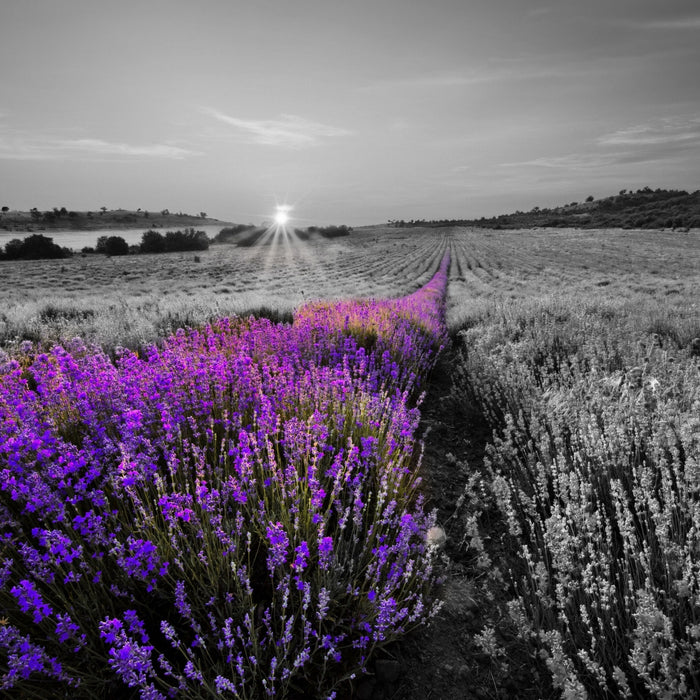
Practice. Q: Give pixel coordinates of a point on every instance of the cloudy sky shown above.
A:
(350, 111)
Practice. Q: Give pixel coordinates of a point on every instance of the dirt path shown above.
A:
(443, 659)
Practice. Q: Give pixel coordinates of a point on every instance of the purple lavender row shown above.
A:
(233, 512)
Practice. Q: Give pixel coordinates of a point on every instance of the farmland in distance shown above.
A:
(135, 299)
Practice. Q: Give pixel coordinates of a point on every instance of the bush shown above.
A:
(330, 231)
(112, 245)
(187, 240)
(35, 247)
(152, 242)
(115, 245)
(231, 233)
(173, 241)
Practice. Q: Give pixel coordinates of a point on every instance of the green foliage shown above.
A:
(186, 240)
(152, 242)
(52, 313)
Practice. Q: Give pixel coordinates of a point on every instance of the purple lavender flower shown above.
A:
(110, 629)
(279, 544)
(30, 600)
(325, 552)
(302, 556)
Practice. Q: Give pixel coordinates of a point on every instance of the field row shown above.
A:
(134, 299)
(231, 512)
(607, 265)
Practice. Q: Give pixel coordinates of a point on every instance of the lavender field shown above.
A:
(197, 502)
(234, 511)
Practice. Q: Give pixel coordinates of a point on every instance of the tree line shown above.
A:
(643, 208)
(39, 247)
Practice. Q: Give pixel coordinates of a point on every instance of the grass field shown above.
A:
(568, 458)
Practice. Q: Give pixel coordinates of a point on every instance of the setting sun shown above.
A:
(281, 217)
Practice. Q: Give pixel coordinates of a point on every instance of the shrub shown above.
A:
(35, 247)
(232, 233)
(112, 246)
(330, 231)
(152, 242)
(186, 240)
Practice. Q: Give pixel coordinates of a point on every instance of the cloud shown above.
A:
(289, 131)
(570, 161)
(100, 147)
(690, 23)
(502, 71)
(674, 139)
(674, 130)
(23, 145)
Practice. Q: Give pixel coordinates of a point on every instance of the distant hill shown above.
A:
(60, 219)
(645, 208)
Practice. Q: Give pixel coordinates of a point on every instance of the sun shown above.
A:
(282, 216)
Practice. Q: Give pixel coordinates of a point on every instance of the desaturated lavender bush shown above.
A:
(595, 468)
(233, 512)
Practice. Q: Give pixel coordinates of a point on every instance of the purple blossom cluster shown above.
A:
(233, 511)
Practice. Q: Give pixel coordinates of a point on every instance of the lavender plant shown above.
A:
(594, 468)
(233, 512)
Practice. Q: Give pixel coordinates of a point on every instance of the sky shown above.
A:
(351, 112)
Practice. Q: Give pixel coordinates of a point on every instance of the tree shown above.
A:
(13, 249)
(152, 242)
(103, 209)
(189, 239)
(203, 214)
(5, 210)
(114, 245)
(590, 198)
(34, 247)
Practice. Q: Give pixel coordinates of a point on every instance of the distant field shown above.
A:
(608, 265)
(133, 299)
